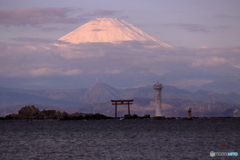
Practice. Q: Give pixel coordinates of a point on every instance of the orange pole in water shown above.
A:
(189, 112)
(115, 109)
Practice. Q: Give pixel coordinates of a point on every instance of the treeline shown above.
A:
(31, 112)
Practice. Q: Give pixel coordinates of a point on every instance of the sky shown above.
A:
(189, 23)
(205, 36)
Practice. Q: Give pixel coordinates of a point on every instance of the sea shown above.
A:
(113, 139)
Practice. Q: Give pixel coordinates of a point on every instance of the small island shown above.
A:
(31, 112)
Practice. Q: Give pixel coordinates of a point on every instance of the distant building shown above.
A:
(158, 87)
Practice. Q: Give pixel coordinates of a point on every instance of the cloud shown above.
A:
(223, 27)
(37, 16)
(209, 61)
(102, 12)
(50, 29)
(115, 63)
(112, 71)
(38, 83)
(51, 72)
(203, 47)
(70, 52)
(105, 12)
(33, 40)
(226, 16)
(189, 27)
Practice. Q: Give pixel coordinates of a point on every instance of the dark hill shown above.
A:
(100, 92)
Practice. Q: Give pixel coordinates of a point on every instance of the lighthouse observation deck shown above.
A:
(157, 86)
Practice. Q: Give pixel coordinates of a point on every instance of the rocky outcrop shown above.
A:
(29, 112)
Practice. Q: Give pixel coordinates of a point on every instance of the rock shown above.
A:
(28, 112)
(134, 116)
(14, 116)
(146, 116)
(49, 114)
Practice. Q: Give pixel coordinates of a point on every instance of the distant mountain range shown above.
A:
(101, 92)
(97, 99)
(226, 85)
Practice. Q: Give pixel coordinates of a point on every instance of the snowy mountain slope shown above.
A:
(108, 30)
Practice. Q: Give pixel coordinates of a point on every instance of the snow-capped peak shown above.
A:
(111, 30)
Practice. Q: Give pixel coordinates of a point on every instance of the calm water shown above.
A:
(115, 139)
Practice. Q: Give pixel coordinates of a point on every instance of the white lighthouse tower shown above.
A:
(158, 113)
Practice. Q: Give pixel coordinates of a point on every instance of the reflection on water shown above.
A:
(115, 139)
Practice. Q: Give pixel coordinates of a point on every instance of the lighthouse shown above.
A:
(158, 112)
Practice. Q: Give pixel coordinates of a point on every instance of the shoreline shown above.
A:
(113, 118)
(30, 113)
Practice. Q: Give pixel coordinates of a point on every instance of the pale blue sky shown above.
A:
(188, 23)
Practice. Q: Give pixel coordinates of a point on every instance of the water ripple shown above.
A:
(114, 139)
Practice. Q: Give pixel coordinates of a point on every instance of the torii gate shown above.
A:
(122, 102)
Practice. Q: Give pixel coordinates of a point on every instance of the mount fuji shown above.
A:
(109, 30)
